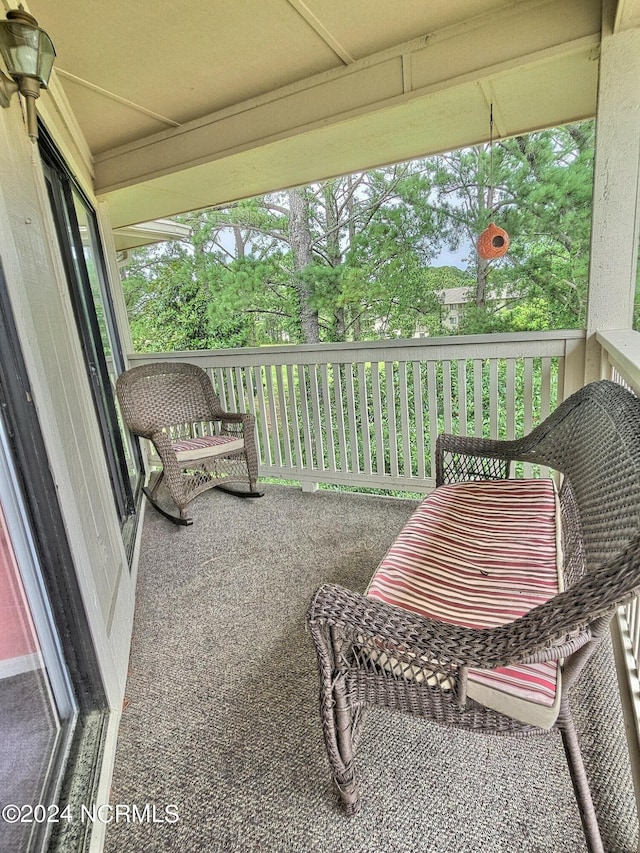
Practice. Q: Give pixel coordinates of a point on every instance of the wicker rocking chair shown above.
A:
(201, 447)
(372, 652)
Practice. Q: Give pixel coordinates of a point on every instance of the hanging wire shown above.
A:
(494, 241)
(490, 193)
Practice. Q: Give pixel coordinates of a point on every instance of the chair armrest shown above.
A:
(467, 458)
(234, 423)
(453, 647)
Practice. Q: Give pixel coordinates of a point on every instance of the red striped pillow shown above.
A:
(481, 554)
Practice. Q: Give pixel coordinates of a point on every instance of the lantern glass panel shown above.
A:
(47, 55)
(19, 45)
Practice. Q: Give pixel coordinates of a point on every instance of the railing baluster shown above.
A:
(304, 409)
(351, 413)
(545, 398)
(338, 396)
(267, 457)
(559, 383)
(392, 420)
(230, 404)
(434, 428)
(545, 389)
(527, 399)
(222, 391)
(238, 378)
(629, 610)
(478, 408)
(273, 416)
(493, 398)
(510, 402)
(447, 397)
(377, 417)
(462, 397)
(316, 420)
(295, 417)
(403, 388)
(418, 404)
(253, 409)
(284, 421)
(328, 419)
(363, 393)
(635, 628)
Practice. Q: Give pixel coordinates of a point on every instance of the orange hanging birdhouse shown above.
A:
(493, 242)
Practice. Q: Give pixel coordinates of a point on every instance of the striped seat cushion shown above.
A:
(481, 554)
(189, 449)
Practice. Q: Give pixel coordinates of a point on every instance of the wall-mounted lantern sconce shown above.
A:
(28, 54)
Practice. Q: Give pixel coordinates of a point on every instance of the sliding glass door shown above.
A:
(38, 710)
(86, 274)
(53, 710)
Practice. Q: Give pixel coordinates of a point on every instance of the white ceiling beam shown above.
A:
(318, 27)
(529, 34)
(86, 84)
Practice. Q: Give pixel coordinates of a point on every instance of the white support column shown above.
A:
(616, 197)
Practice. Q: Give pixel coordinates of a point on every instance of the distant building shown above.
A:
(455, 299)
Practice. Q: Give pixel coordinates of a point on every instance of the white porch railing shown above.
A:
(368, 414)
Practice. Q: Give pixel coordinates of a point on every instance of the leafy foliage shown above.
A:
(352, 258)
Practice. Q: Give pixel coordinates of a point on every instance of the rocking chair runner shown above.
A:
(201, 447)
(445, 666)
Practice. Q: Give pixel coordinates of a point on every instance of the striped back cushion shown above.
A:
(481, 554)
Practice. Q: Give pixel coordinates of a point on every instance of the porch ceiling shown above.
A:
(224, 99)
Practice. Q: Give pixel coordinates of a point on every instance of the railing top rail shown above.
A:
(623, 351)
(512, 345)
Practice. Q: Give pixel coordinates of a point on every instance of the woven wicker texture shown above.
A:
(171, 402)
(593, 440)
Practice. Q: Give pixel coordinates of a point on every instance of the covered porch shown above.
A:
(147, 116)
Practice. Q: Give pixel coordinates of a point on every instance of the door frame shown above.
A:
(62, 187)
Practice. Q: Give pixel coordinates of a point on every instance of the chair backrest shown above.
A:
(165, 394)
(593, 438)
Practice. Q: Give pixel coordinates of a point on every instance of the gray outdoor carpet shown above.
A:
(222, 719)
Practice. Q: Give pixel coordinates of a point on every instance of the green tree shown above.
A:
(541, 194)
(332, 261)
(166, 305)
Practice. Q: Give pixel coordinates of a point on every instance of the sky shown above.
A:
(457, 259)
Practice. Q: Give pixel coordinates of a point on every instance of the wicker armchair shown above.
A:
(593, 439)
(201, 447)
